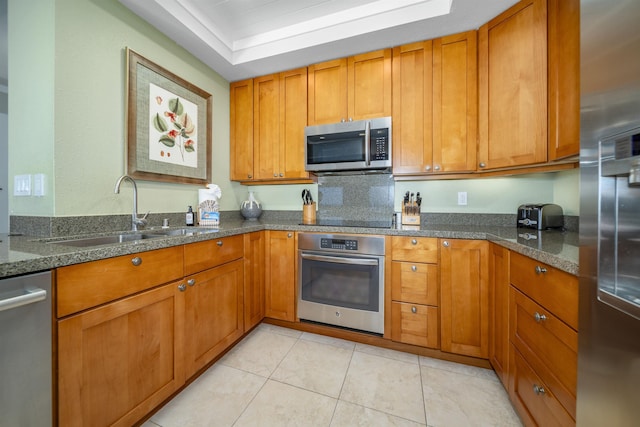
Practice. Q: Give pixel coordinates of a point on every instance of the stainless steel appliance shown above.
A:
(341, 280)
(25, 351)
(609, 325)
(540, 216)
(347, 146)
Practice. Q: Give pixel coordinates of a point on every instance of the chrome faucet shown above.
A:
(135, 221)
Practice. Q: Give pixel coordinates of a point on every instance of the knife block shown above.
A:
(411, 214)
(309, 213)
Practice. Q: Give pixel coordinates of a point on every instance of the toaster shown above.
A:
(540, 216)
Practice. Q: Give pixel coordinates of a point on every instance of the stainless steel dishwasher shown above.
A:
(25, 350)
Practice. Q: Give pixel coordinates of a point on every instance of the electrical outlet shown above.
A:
(38, 184)
(462, 198)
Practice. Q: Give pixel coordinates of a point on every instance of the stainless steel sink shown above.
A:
(131, 237)
(106, 240)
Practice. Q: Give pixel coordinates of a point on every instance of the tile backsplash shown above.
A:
(364, 197)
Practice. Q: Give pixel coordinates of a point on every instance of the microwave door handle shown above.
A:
(367, 143)
(340, 260)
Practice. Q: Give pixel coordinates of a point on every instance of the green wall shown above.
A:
(67, 120)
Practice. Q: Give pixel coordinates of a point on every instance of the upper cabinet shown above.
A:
(267, 143)
(354, 88)
(241, 130)
(528, 84)
(435, 105)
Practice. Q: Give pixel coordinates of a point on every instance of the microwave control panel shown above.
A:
(380, 144)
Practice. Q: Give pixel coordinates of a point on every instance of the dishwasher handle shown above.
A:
(30, 296)
(340, 260)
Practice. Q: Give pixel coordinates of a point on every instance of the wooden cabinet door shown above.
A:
(455, 102)
(513, 87)
(499, 311)
(118, 362)
(412, 108)
(241, 130)
(266, 126)
(213, 313)
(564, 83)
(327, 101)
(293, 119)
(369, 85)
(464, 303)
(280, 261)
(254, 267)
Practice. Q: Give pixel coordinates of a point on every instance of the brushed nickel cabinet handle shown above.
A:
(539, 390)
(427, 168)
(414, 268)
(539, 317)
(482, 165)
(136, 261)
(414, 242)
(182, 287)
(249, 176)
(414, 309)
(446, 243)
(191, 282)
(289, 235)
(219, 243)
(540, 270)
(436, 167)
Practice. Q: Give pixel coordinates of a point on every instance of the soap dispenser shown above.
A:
(190, 217)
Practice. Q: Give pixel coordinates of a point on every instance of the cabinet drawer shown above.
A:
(87, 285)
(414, 249)
(414, 282)
(415, 324)
(210, 253)
(535, 402)
(548, 345)
(553, 289)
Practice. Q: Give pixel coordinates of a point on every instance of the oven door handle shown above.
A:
(340, 260)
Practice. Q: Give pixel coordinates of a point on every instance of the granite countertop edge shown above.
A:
(28, 254)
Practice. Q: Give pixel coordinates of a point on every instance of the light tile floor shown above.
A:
(281, 377)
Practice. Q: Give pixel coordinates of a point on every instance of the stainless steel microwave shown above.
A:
(349, 146)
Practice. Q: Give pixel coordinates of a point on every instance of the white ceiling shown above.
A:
(247, 38)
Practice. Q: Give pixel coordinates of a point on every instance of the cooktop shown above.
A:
(351, 223)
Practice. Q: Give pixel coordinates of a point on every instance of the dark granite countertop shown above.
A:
(25, 254)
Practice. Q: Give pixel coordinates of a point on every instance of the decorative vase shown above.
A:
(250, 208)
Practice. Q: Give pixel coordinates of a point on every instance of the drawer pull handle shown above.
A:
(289, 235)
(414, 268)
(540, 317)
(540, 270)
(182, 287)
(191, 282)
(219, 243)
(136, 261)
(414, 309)
(539, 390)
(414, 242)
(445, 243)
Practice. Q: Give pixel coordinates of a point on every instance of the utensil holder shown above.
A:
(309, 213)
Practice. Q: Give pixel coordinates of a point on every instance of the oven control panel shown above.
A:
(343, 244)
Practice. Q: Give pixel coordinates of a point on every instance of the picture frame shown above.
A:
(168, 125)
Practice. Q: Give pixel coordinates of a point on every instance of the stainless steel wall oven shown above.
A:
(341, 280)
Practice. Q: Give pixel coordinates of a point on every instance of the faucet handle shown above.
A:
(145, 215)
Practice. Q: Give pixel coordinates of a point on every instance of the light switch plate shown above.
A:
(462, 198)
(22, 185)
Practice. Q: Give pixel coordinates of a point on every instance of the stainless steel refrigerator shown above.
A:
(609, 329)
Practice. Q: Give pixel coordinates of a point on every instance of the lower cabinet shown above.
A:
(499, 311)
(214, 316)
(464, 301)
(414, 291)
(253, 279)
(119, 361)
(280, 272)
